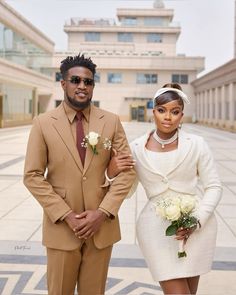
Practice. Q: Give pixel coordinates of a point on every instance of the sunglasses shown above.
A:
(77, 80)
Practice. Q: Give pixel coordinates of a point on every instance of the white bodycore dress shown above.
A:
(161, 251)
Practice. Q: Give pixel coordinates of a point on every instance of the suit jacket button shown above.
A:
(84, 178)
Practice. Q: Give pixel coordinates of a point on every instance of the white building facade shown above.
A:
(25, 68)
(135, 56)
(215, 95)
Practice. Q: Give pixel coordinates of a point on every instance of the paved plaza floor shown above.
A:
(22, 258)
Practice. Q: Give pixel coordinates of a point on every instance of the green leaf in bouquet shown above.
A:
(182, 254)
(171, 229)
(189, 221)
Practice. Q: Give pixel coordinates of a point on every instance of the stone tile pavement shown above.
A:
(22, 258)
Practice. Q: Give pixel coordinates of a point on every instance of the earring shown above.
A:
(180, 125)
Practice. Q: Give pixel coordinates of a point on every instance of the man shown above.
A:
(64, 170)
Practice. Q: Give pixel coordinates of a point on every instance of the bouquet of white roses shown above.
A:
(179, 210)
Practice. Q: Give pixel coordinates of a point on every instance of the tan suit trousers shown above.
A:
(87, 267)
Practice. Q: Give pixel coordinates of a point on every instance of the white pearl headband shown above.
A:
(165, 89)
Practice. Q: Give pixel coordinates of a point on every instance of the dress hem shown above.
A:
(178, 276)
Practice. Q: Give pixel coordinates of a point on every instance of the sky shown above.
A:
(207, 26)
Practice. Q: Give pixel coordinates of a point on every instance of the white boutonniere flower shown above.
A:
(92, 140)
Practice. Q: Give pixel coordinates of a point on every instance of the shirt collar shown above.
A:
(71, 113)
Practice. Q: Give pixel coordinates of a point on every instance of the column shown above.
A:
(205, 107)
(222, 99)
(231, 104)
(210, 105)
(35, 99)
(1, 110)
(201, 106)
(197, 106)
(216, 98)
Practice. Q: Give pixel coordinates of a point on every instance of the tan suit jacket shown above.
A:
(56, 178)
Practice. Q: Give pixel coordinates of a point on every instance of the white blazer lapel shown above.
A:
(184, 147)
(141, 154)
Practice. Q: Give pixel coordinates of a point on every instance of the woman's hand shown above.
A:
(119, 162)
(184, 233)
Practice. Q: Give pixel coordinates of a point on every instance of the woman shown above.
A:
(171, 161)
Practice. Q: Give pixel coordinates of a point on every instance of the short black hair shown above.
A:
(77, 61)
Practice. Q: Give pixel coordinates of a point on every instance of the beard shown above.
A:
(77, 105)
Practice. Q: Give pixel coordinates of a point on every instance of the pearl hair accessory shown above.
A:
(164, 142)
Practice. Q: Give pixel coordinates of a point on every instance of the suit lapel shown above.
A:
(96, 124)
(62, 126)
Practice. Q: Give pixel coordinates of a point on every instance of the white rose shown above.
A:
(175, 201)
(93, 138)
(187, 204)
(173, 212)
(161, 211)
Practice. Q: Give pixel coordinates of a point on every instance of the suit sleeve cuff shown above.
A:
(108, 214)
(64, 216)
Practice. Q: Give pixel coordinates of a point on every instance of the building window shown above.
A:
(125, 37)
(97, 78)
(150, 104)
(179, 78)
(92, 37)
(129, 21)
(146, 78)
(17, 49)
(57, 102)
(58, 76)
(154, 38)
(155, 21)
(114, 78)
(16, 103)
(96, 103)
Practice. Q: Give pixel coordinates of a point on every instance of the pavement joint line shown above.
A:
(9, 137)
(229, 183)
(226, 224)
(4, 176)
(14, 130)
(13, 208)
(5, 188)
(227, 168)
(233, 192)
(11, 162)
(34, 233)
(225, 160)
